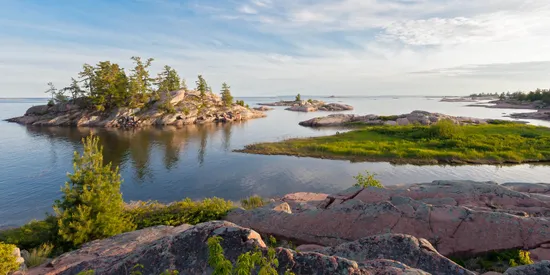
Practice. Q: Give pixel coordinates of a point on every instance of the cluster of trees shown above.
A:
(485, 95)
(107, 85)
(538, 94)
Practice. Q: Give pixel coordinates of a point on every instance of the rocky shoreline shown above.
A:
(410, 229)
(540, 115)
(415, 117)
(186, 108)
(310, 106)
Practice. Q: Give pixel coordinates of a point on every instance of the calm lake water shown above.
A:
(197, 161)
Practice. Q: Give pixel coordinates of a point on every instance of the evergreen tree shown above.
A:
(110, 86)
(51, 90)
(91, 206)
(140, 82)
(168, 80)
(87, 76)
(298, 97)
(227, 98)
(74, 89)
(202, 87)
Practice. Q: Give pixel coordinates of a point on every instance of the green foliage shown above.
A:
(74, 89)
(539, 94)
(168, 108)
(367, 180)
(514, 143)
(39, 255)
(246, 262)
(33, 234)
(91, 206)
(202, 87)
(495, 261)
(168, 80)
(240, 102)
(298, 97)
(446, 129)
(51, 102)
(227, 98)
(388, 118)
(51, 90)
(147, 214)
(86, 272)
(253, 202)
(8, 262)
(170, 272)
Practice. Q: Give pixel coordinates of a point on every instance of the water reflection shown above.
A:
(134, 147)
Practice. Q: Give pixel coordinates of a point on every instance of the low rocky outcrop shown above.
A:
(184, 249)
(415, 117)
(461, 218)
(263, 108)
(543, 114)
(310, 106)
(178, 108)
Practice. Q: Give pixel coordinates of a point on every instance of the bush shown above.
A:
(367, 180)
(147, 214)
(298, 97)
(446, 129)
(246, 262)
(168, 108)
(91, 206)
(32, 235)
(39, 255)
(8, 261)
(252, 202)
(495, 261)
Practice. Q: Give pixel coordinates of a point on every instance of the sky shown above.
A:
(284, 47)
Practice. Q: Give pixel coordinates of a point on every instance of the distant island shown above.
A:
(310, 105)
(536, 100)
(418, 138)
(105, 96)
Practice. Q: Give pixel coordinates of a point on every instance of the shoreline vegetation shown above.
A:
(441, 143)
(106, 95)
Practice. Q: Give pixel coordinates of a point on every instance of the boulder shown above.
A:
(302, 108)
(417, 253)
(184, 249)
(37, 110)
(390, 123)
(534, 269)
(331, 120)
(402, 121)
(263, 108)
(335, 107)
(542, 188)
(466, 218)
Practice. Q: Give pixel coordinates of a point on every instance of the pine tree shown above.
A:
(110, 86)
(168, 80)
(298, 97)
(74, 89)
(202, 87)
(227, 98)
(51, 90)
(91, 206)
(140, 82)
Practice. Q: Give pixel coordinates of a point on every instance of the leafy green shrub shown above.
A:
(446, 129)
(240, 102)
(39, 255)
(253, 202)
(367, 180)
(32, 235)
(91, 207)
(147, 214)
(498, 261)
(246, 262)
(298, 97)
(8, 261)
(51, 102)
(168, 108)
(388, 118)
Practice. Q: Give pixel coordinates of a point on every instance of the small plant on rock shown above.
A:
(252, 202)
(38, 256)
(367, 180)
(8, 261)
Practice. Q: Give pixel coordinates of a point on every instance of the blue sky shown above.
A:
(280, 47)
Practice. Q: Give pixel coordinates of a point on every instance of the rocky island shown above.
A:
(175, 108)
(420, 138)
(310, 105)
(105, 96)
(536, 100)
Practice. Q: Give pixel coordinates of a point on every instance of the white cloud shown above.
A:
(322, 47)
